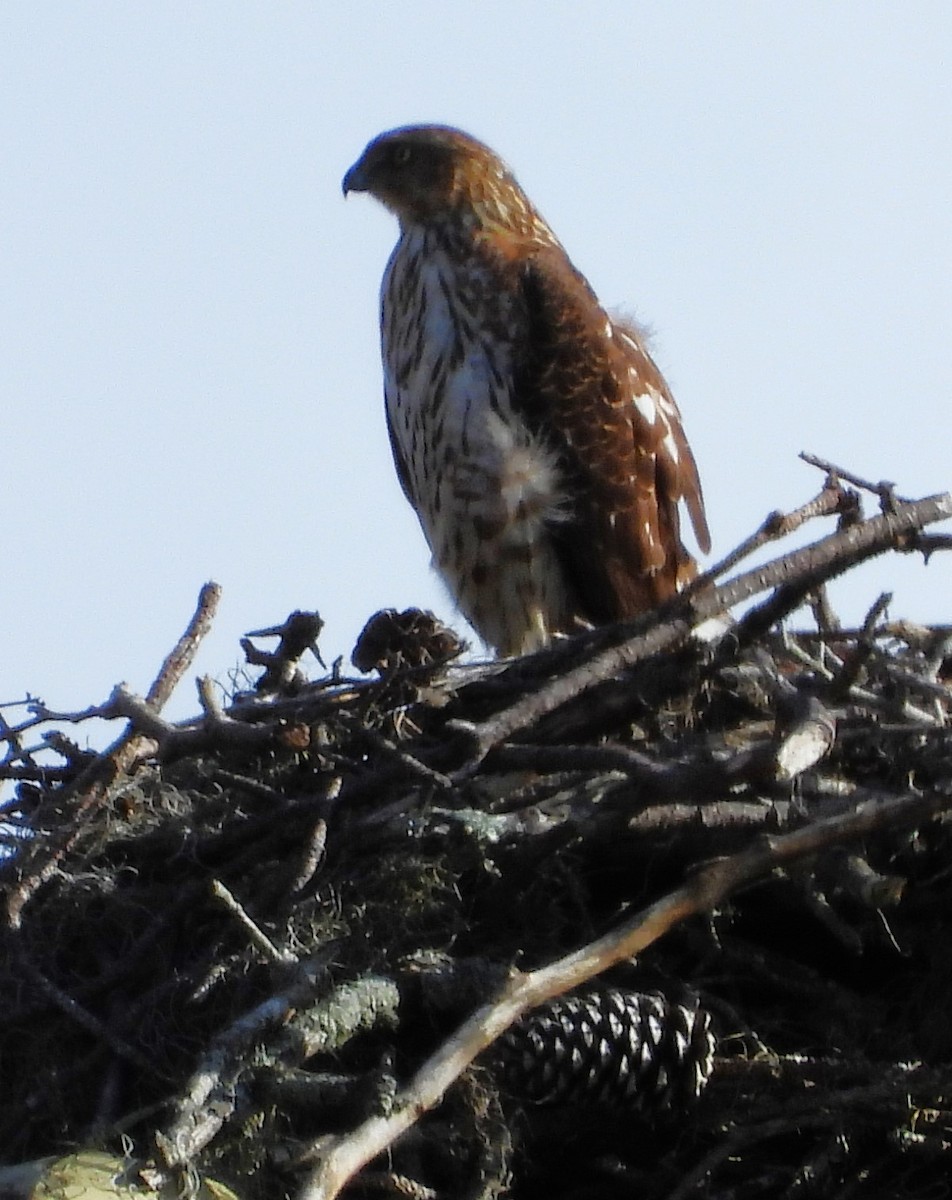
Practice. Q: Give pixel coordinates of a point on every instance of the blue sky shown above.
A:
(188, 307)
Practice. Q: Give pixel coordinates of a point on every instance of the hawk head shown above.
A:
(434, 173)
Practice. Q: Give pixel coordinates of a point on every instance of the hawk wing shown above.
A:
(588, 384)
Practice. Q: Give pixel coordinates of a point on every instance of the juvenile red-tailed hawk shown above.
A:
(531, 431)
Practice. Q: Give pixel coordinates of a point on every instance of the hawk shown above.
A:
(531, 431)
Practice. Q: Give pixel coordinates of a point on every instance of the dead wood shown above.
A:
(277, 944)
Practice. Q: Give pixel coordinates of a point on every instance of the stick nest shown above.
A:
(276, 945)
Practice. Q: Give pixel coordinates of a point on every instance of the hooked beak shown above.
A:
(356, 179)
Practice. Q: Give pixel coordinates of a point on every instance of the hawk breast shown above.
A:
(487, 490)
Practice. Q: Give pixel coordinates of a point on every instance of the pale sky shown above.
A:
(189, 356)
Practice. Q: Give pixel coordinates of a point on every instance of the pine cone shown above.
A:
(634, 1049)
(394, 640)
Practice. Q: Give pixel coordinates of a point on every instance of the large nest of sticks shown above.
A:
(659, 912)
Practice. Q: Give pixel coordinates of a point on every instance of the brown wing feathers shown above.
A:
(621, 544)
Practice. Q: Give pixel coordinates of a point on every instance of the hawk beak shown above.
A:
(356, 179)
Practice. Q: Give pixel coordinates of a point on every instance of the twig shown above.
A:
(123, 753)
(209, 1098)
(92, 782)
(254, 931)
(899, 707)
(84, 1018)
(208, 699)
(777, 525)
(807, 737)
(342, 1156)
(398, 1185)
(698, 775)
(745, 1136)
(181, 657)
(861, 651)
(41, 715)
(917, 683)
(144, 720)
(928, 544)
(314, 850)
(384, 746)
(673, 623)
(36, 774)
(885, 490)
(307, 1028)
(297, 634)
(666, 777)
(826, 619)
(253, 787)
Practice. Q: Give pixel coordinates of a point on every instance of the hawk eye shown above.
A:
(402, 155)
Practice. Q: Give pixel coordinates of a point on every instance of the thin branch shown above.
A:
(209, 700)
(343, 1156)
(885, 490)
(92, 783)
(254, 931)
(861, 651)
(312, 855)
(297, 634)
(209, 1098)
(308, 1027)
(673, 623)
(182, 655)
(742, 1136)
(84, 1018)
(776, 525)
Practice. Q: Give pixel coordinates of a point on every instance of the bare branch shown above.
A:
(343, 1156)
(776, 525)
(673, 623)
(182, 655)
(254, 931)
(885, 490)
(83, 1017)
(92, 782)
